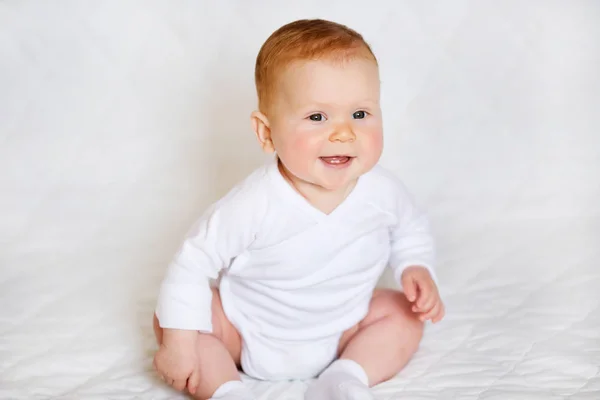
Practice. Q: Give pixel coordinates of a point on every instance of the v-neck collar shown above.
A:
(290, 194)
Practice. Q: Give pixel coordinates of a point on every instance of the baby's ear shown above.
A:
(260, 125)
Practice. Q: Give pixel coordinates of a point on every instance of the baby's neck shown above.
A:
(322, 199)
(327, 200)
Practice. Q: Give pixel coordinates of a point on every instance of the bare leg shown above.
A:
(386, 339)
(219, 352)
(373, 351)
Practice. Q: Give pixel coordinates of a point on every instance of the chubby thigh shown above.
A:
(384, 303)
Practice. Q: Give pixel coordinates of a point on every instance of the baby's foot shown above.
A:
(233, 390)
(343, 380)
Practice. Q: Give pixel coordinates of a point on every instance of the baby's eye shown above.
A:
(359, 115)
(316, 117)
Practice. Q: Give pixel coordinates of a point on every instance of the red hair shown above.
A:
(304, 40)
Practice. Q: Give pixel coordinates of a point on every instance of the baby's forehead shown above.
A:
(334, 60)
(314, 75)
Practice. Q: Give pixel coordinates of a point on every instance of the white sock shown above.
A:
(343, 380)
(232, 390)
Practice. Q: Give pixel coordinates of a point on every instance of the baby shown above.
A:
(297, 248)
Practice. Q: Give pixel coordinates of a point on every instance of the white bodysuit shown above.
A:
(292, 278)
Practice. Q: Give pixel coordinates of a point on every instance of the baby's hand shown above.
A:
(175, 361)
(421, 290)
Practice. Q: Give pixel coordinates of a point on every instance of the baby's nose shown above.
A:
(343, 134)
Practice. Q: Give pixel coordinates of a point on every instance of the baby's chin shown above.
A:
(335, 184)
(328, 179)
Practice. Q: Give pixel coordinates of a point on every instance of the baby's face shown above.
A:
(326, 124)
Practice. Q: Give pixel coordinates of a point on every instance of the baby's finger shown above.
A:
(194, 381)
(429, 303)
(410, 287)
(421, 299)
(179, 384)
(426, 296)
(438, 317)
(431, 313)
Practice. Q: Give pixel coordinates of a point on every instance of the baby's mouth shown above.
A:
(336, 160)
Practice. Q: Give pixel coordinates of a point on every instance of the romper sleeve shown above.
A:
(412, 243)
(225, 230)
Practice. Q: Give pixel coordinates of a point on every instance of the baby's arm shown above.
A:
(184, 301)
(412, 258)
(185, 297)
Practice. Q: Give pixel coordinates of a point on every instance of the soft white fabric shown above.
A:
(266, 357)
(289, 271)
(233, 390)
(343, 380)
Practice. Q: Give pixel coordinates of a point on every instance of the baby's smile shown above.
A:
(339, 161)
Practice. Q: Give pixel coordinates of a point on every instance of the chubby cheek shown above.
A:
(373, 146)
(302, 144)
(300, 151)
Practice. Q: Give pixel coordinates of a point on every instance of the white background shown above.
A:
(120, 121)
